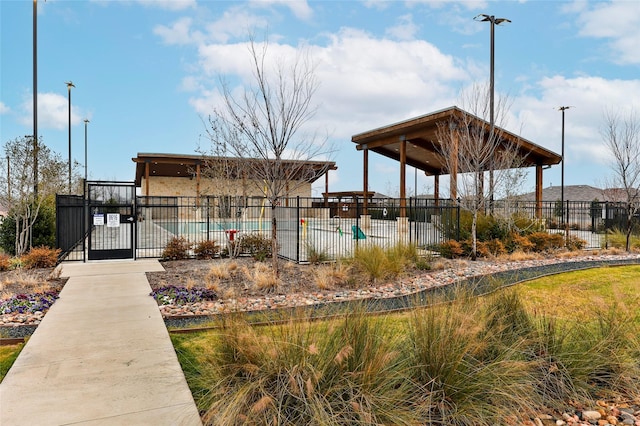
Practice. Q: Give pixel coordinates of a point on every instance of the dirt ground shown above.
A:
(243, 276)
(26, 281)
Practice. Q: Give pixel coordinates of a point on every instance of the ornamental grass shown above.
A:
(471, 361)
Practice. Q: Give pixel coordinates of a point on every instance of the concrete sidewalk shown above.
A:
(101, 356)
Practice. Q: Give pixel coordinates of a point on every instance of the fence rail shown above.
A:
(308, 227)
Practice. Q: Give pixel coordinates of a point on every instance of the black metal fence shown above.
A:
(312, 227)
(70, 226)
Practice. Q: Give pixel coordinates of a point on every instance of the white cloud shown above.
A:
(583, 142)
(619, 22)
(300, 8)
(3, 108)
(53, 112)
(235, 22)
(174, 5)
(406, 29)
(178, 33)
(364, 81)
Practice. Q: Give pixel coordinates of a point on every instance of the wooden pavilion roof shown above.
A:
(422, 142)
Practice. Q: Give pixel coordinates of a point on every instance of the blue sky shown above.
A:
(146, 73)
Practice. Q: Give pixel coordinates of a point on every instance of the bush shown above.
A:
(41, 257)
(574, 243)
(496, 247)
(315, 255)
(44, 229)
(517, 242)
(207, 249)
(257, 245)
(176, 249)
(5, 262)
(543, 241)
(450, 249)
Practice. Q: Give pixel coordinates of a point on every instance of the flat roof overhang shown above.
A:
(177, 165)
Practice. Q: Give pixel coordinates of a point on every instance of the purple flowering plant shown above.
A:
(28, 303)
(177, 295)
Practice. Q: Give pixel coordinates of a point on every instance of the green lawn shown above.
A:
(8, 355)
(477, 358)
(579, 295)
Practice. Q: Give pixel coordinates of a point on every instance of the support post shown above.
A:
(365, 180)
(403, 175)
(538, 191)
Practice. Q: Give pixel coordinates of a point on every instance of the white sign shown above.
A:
(113, 220)
(98, 219)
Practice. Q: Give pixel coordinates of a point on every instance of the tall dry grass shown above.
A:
(471, 361)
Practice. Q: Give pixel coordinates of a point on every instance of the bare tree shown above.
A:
(265, 126)
(16, 185)
(621, 134)
(469, 148)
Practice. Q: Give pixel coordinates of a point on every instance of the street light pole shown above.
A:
(562, 108)
(8, 180)
(69, 86)
(35, 99)
(493, 21)
(86, 121)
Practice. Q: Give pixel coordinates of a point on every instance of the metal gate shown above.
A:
(112, 224)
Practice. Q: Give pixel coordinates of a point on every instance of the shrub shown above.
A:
(543, 241)
(517, 242)
(371, 261)
(496, 247)
(256, 245)
(482, 249)
(315, 255)
(177, 249)
(450, 249)
(207, 249)
(574, 243)
(423, 264)
(41, 257)
(5, 262)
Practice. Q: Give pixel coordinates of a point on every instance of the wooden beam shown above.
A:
(365, 180)
(326, 189)
(539, 191)
(146, 178)
(436, 189)
(403, 176)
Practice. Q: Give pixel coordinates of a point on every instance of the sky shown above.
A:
(147, 74)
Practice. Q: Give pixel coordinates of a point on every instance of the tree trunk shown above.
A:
(474, 237)
(627, 246)
(274, 241)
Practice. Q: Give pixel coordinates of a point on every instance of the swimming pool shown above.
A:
(181, 228)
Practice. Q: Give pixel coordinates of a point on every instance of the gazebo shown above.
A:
(415, 142)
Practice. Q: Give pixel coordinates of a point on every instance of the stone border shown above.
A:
(480, 284)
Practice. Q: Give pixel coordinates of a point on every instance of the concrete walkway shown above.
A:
(101, 356)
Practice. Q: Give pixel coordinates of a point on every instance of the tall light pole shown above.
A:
(493, 21)
(8, 180)
(86, 121)
(69, 86)
(562, 108)
(35, 99)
